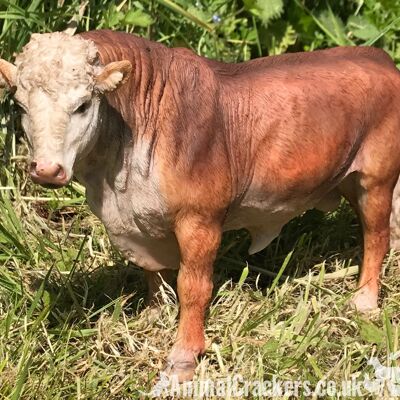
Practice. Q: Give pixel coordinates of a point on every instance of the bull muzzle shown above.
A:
(48, 174)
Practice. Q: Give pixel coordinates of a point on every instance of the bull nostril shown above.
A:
(48, 173)
(61, 173)
(47, 169)
(56, 170)
(33, 166)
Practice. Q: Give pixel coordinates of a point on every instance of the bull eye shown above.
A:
(83, 107)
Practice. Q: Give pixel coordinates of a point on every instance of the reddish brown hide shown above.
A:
(213, 147)
(254, 144)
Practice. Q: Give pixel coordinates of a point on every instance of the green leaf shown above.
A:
(137, 18)
(113, 16)
(370, 332)
(271, 346)
(266, 10)
(287, 39)
(202, 15)
(333, 27)
(186, 14)
(362, 28)
(281, 271)
(244, 276)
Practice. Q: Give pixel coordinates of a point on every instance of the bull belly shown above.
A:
(265, 222)
(263, 226)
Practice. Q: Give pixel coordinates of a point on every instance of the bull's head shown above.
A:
(58, 83)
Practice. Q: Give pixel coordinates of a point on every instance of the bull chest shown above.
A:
(131, 207)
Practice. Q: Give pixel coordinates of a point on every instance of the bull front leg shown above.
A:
(198, 239)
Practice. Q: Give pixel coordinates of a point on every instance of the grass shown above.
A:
(73, 324)
(72, 320)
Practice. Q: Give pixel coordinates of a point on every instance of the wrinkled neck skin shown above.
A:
(103, 169)
(128, 120)
(121, 172)
(121, 188)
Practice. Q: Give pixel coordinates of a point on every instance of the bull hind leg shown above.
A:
(372, 200)
(395, 219)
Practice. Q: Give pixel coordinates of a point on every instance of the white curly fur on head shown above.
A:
(56, 61)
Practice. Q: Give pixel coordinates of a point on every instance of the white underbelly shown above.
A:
(263, 226)
(265, 219)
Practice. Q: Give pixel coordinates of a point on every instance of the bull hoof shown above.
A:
(181, 363)
(364, 301)
(182, 371)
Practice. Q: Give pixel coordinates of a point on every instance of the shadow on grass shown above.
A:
(314, 238)
(78, 295)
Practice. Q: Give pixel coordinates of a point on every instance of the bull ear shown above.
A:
(113, 75)
(7, 74)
